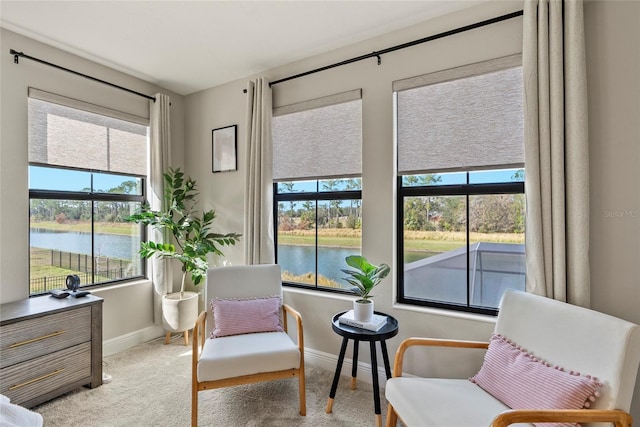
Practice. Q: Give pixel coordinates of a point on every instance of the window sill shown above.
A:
(107, 288)
(446, 313)
(316, 293)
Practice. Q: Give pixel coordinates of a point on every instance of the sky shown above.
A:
(43, 178)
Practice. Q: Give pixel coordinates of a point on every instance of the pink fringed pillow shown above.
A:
(246, 316)
(521, 381)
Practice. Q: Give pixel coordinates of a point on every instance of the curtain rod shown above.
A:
(376, 54)
(17, 55)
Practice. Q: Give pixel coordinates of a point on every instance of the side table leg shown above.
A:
(336, 376)
(354, 368)
(376, 386)
(385, 357)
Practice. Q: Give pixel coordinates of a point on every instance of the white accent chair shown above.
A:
(248, 358)
(562, 334)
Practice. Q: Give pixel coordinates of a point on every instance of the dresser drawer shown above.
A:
(37, 377)
(38, 336)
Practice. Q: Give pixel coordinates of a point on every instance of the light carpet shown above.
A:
(151, 386)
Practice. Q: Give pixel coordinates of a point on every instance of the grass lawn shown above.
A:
(122, 228)
(429, 241)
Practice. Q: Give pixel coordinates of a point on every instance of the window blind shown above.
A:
(318, 139)
(465, 118)
(69, 133)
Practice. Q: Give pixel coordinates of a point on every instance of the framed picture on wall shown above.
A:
(224, 148)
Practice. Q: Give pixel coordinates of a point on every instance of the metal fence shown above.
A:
(102, 269)
(45, 284)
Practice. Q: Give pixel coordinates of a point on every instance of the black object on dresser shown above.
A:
(49, 346)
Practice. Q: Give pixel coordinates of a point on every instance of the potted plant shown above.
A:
(192, 241)
(364, 277)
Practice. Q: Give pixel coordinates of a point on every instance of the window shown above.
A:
(461, 204)
(317, 189)
(87, 169)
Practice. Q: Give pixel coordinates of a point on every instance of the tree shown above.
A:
(332, 185)
(308, 214)
(419, 210)
(354, 184)
(453, 214)
(289, 189)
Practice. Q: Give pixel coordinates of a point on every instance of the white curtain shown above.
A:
(160, 142)
(258, 203)
(556, 150)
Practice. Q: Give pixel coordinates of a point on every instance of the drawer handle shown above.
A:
(18, 344)
(17, 386)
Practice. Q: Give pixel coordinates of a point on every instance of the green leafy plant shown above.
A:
(192, 235)
(365, 275)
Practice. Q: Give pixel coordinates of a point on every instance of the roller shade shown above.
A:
(70, 133)
(318, 139)
(466, 118)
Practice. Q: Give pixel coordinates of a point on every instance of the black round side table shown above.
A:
(389, 330)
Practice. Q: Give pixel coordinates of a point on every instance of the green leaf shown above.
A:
(365, 275)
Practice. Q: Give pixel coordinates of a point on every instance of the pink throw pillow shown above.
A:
(246, 316)
(521, 381)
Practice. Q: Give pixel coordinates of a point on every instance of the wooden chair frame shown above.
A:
(199, 338)
(617, 417)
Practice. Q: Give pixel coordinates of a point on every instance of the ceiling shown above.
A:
(188, 46)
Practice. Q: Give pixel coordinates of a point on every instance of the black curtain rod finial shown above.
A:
(16, 55)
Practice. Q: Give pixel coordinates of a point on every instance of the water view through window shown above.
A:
(88, 237)
(319, 224)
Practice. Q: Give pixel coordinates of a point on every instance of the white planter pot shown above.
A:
(179, 311)
(363, 310)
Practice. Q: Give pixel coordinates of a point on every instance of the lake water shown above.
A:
(107, 245)
(299, 260)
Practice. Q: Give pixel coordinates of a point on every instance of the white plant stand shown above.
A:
(179, 314)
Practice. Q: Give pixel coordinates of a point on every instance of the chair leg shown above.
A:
(392, 417)
(303, 398)
(194, 406)
(186, 337)
(167, 338)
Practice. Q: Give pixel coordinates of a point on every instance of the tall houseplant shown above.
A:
(192, 241)
(193, 238)
(364, 277)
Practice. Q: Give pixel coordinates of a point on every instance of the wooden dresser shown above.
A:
(49, 346)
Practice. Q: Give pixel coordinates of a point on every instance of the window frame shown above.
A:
(91, 196)
(467, 190)
(316, 196)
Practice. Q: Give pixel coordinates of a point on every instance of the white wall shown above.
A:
(127, 309)
(613, 66)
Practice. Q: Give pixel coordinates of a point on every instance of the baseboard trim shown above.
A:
(328, 362)
(124, 342)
